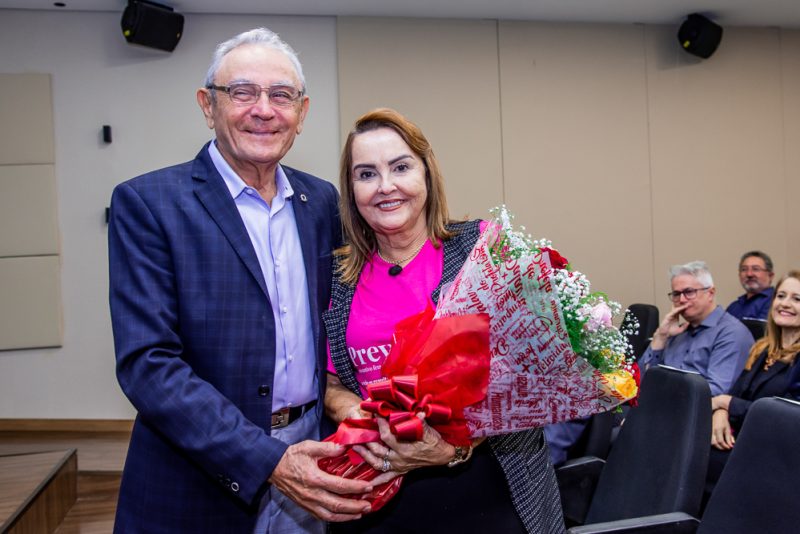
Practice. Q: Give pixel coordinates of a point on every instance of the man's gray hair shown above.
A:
(261, 36)
(697, 269)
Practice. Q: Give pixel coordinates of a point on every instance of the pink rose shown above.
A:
(599, 316)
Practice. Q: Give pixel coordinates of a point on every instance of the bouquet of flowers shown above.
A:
(556, 354)
(518, 340)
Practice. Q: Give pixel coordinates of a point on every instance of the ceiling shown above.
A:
(759, 13)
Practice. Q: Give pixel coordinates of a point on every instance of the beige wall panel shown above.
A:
(26, 102)
(441, 74)
(31, 295)
(717, 154)
(790, 59)
(575, 147)
(28, 217)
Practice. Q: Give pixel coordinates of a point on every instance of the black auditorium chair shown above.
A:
(758, 489)
(600, 430)
(647, 315)
(658, 463)
(596, 437)
(757, 327)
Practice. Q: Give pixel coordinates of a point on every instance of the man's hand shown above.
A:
(299, 477)
(669, 327)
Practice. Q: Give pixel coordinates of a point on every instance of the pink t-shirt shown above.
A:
(381, 301)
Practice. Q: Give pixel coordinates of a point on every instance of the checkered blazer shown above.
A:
(523, 456)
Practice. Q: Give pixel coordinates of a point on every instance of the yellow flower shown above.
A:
(620, 383)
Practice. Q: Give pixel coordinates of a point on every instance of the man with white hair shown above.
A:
(697, 335)
(220, 269)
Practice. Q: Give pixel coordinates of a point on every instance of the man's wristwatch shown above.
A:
(462, 455)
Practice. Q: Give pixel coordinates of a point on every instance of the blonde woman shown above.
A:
(769, 371)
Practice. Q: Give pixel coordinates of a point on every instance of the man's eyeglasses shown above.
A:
(282, 96)
(755, 270)
(690, 293)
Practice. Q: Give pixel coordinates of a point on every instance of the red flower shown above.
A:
(556, 260)
(638, 378)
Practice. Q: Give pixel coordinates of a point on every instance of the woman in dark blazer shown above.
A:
(401, 249)
(770, 371)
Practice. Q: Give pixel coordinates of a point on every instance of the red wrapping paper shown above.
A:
(351, 465)
(436, 368)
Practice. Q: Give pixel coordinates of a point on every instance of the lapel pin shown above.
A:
(303, 197)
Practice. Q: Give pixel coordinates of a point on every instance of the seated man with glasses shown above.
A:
(755, 275)
(697, 335)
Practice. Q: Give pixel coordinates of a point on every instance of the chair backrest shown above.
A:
(658, 462)
(596, 437)
(758, 490)
(757, 327)
(647, 315)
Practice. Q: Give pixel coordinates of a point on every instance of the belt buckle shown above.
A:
(280, 418)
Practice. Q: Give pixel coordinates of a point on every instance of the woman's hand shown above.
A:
(402, 456)
(341, 403)
(720, 402)
(721, 433)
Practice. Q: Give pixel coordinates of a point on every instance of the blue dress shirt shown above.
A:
(717, 349)
(273, 232)
(755, 307)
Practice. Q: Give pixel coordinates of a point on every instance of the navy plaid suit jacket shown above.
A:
(195, 343)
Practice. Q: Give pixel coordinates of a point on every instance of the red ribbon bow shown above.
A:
(396, 399)
(436, 368)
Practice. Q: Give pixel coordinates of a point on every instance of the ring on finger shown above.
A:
(386, 465)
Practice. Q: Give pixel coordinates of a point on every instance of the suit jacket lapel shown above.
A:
(210, 189)
(758, 378)
(761, 379)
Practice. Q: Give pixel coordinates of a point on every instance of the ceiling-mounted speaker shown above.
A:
(153, 25)
(699, 36)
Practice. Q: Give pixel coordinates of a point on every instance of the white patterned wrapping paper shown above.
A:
(535, 377)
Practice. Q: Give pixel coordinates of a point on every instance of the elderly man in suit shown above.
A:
(219, 270)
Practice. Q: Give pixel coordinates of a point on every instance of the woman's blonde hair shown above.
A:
(359, 236)
(772, 341)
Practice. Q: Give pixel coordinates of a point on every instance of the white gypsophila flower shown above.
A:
(591, 330)
(516, 240)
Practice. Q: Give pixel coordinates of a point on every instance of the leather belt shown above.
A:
(286, 416)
